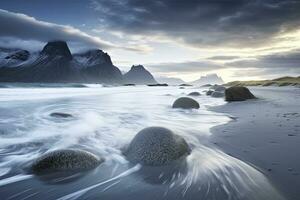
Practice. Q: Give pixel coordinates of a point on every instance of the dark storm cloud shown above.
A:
(284, 61)
(23, 27)
(234, 23)
(280, 63)
(18, 29)
(264, 73)
(270, 66)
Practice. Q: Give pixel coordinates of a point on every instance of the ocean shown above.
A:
(105, 119)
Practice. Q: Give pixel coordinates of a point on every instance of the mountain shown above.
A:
(55, 63)
(14, 57)
(96, 65)
(170, 80)
(139, 75)
(208, 79)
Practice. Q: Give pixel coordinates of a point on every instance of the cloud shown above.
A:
(223, 57)
(202, 23)
(16, 27)
(273, 65)
(184, 67)
(285, 61)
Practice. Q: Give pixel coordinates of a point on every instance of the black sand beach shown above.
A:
(265, 133)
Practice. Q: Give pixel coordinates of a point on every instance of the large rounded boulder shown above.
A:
(65, 160)
(238, 93)
(186, 103)
(156, 146)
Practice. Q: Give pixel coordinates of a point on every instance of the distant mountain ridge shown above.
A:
(208, 79)
(170, 80)
(55, 63)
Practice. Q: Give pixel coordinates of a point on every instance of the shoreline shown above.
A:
(265, 133)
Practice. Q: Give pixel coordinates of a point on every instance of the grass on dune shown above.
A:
(283, 81)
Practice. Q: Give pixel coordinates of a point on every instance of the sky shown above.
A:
(237, 39)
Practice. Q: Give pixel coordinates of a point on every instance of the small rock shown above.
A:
(158, 84)
(217, 94)
(220, 89)
(184, 84)
(129, 84)
(209, 92)
(61, 115)
(194, 94)
(206, 85)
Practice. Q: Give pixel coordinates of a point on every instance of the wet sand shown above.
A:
(265, 133)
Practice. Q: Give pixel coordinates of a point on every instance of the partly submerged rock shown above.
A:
(129, 84)
(238, 93)
(184, 84)
(206, 85)
(217, 94)
(158, 84)
(156, 146)
(194, 94)
(65, 160)
(217, 87)
(220, 88)
(61, 115)
(209, 92)
(186, 103)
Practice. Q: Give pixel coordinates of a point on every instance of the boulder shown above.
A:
(238, 93)
(65, 160)
(186, 103)
(217, 94)
(194, 94)
(156, 146)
